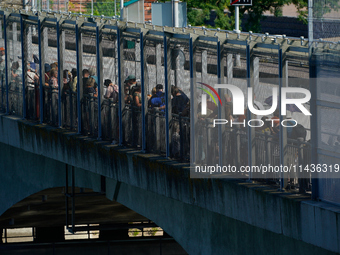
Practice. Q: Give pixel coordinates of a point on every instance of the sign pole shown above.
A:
(237, 4)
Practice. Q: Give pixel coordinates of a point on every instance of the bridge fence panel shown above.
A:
(51, 85)
(110, 98)
(2, 66)
(31, 57)
(325, 128)
(132, 115)
(155, 75)
(89, 100)
(179, 78)
(69, 74)
(14, 66)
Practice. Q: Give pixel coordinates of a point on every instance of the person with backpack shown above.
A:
(112, 91)
(158, 100)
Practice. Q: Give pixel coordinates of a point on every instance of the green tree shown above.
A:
(199, 13)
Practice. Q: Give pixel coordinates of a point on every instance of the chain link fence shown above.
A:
(325, 18)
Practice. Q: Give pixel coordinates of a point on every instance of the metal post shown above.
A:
(250, 154)
(99, 64)
(192, 102)
(79, 78)
(237, 19)
(141, 37)
(66, 194)
(115, 8)
(73, 200)
(219, 114)
(175, 12)
(6, 63)
(121, 9)
(59, 75)
(314, 124)
(310, 24)
(166, 85)
(41, 73)
(204, 61)
(15, 40)
(121, 102)
(159, 75)
(281, 147)
(23, 66)
(92, 7)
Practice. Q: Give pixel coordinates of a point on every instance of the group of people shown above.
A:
(132, 90)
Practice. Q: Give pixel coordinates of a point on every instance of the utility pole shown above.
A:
(121, 9)
(175, 12)
(237, 19)
(115, 8)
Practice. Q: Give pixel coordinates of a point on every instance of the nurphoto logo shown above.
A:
(239, 99)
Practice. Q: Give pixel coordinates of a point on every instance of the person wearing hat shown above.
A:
(131, 82)
(158, 99)
(32, 77)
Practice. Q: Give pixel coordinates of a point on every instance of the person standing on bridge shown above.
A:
(158, 100)
(136, 115)
(179, 100)
(94, 76)
(2, 60)
(16, 72)
(54, 88)
(86, 76)
(112, 91)
(131, 82)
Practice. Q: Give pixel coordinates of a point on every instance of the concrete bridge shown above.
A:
(64, 147)
(205, 216)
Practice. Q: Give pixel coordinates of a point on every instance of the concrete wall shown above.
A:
(205, 216)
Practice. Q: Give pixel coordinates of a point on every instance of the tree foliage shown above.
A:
(199, 11)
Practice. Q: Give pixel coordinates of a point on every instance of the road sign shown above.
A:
(241, 2)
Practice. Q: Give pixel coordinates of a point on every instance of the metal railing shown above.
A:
(172, 56)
